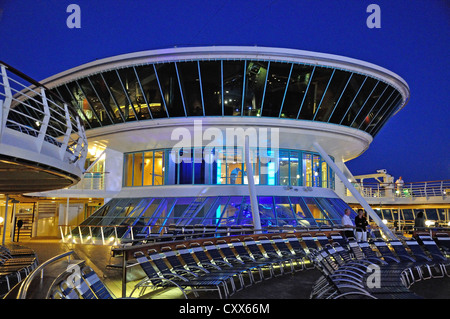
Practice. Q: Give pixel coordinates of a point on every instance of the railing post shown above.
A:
(81, 235)
(103, 235)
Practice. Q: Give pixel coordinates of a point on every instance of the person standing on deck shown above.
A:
(348, 224)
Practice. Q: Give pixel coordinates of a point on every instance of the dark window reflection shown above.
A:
(347, 97)
(332, 95)
(82, 103)
(134, 93)
(94, 103)
(64, 93)
(359, 101)
(387, 114)
(316, 89)
(170, 89)
(103, 94)
(275, 88)
(233, 74)
(151, 91)
(212, 86)
(381, 104)
(121, 99)
(300, 76)
(372, 100)
(190, 84)
(255, 80)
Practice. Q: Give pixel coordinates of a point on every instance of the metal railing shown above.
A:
(408, 190)
(29, 108)
(121, 234)
(91, 181)
(25, 285)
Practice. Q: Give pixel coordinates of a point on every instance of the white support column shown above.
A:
(354, 192)
(251, 187)
(66, 139)
(5, 105)
(45, 121)
(5, 219)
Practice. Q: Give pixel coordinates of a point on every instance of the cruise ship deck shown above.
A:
(298, 285)
(115, 207)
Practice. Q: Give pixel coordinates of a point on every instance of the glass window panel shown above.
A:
(275, 88)
(148, 168)
(202, 211)
(212, 86)
(134, 93)
(245, 213)
(171, 90)
(283, 171)
(128, 170)
(385, 114)
(118, 94)
(255, 80)
(162, 214)
(137, 169)
(300, 76)
(284, 213)
(152, 93)
(332, 95)
(294, 168)
(159, 168)
(363, 116)
(384, 99)
(231, 212)
(387, 214)
(431, 213)
(331, 209)
(107, 101)
(233, 74)
(359, 101)
(441, 213)
(316, 171)
(82, 104)
(234, 161)
(302, 213)
(184, 167)
(93, 101)
(347, 97)
(316, 89)
(408, 214)
(190, 84)
(199, 166)
(64, 93)
(266, 212)
(212, 217)
(318, 214)
(307, 170)
(324, 173)
(254, 162)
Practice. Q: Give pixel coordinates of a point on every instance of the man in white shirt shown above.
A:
(399, 183)
(348, 224)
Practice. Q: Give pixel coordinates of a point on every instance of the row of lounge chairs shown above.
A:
(223, 266)
(84, 284)
(378, 269)
(231, 264)
(15, 264)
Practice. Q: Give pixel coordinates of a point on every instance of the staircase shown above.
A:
(192, 210)
(25, 231)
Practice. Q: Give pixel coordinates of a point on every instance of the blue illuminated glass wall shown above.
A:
(232, 88)
(199, 166)
(153, 214)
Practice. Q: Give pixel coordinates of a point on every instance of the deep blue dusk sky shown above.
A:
(413, 42)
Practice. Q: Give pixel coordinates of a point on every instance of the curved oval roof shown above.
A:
(233, 81)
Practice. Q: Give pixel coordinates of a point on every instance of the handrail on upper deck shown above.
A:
(23, 290)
